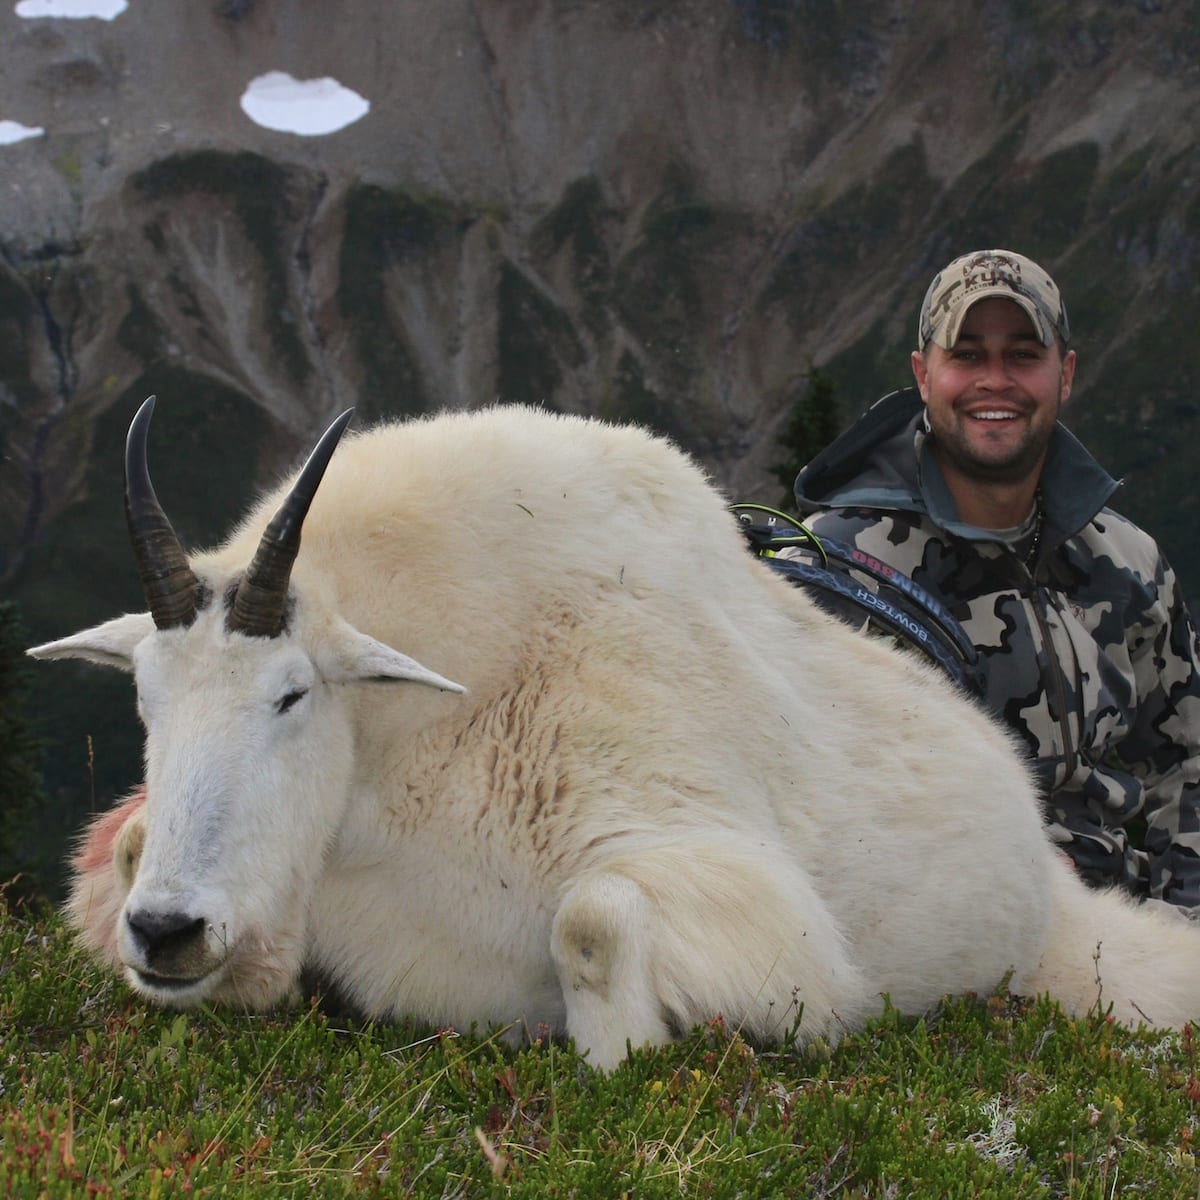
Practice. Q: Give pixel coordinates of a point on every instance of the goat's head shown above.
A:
(249, 747)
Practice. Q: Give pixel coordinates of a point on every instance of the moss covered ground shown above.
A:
(102, 1096)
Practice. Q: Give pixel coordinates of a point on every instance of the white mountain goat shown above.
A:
(665, 786)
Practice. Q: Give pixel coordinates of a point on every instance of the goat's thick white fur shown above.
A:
(672, 789)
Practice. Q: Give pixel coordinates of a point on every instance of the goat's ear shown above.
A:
(355, 657)
(111, 644)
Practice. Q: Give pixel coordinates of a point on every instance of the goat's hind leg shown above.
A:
(675, 933)
(1104, 948)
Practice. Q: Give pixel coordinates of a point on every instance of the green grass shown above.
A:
(102, 1096)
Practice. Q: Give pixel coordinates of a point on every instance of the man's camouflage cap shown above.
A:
(985, 273)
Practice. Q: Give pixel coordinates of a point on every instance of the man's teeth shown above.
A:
(994, 416)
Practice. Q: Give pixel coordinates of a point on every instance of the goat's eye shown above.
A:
(290, 699)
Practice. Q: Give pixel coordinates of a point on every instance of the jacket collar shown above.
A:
(885, 460)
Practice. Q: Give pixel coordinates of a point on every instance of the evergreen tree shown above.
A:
(814, 423)
(21, 790)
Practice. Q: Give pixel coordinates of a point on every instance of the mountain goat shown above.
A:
(523, 735)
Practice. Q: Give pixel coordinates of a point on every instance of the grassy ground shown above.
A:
(101, 1096)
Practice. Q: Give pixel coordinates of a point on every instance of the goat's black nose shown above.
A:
(156, 933)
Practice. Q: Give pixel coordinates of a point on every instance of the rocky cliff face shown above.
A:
(655, 211)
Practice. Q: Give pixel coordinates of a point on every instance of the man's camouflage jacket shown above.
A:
(1087, 652)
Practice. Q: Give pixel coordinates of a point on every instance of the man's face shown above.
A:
(994, 398)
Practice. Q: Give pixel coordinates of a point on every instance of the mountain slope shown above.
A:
(664, 212)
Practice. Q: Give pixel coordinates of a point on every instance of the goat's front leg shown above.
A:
(602, 943)
(674, 933)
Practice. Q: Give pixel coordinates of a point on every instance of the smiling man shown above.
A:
(971, 485)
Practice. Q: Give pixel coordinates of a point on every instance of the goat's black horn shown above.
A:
(172, 590)
(260, 603)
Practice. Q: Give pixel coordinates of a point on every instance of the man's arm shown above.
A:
(1163, 749)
